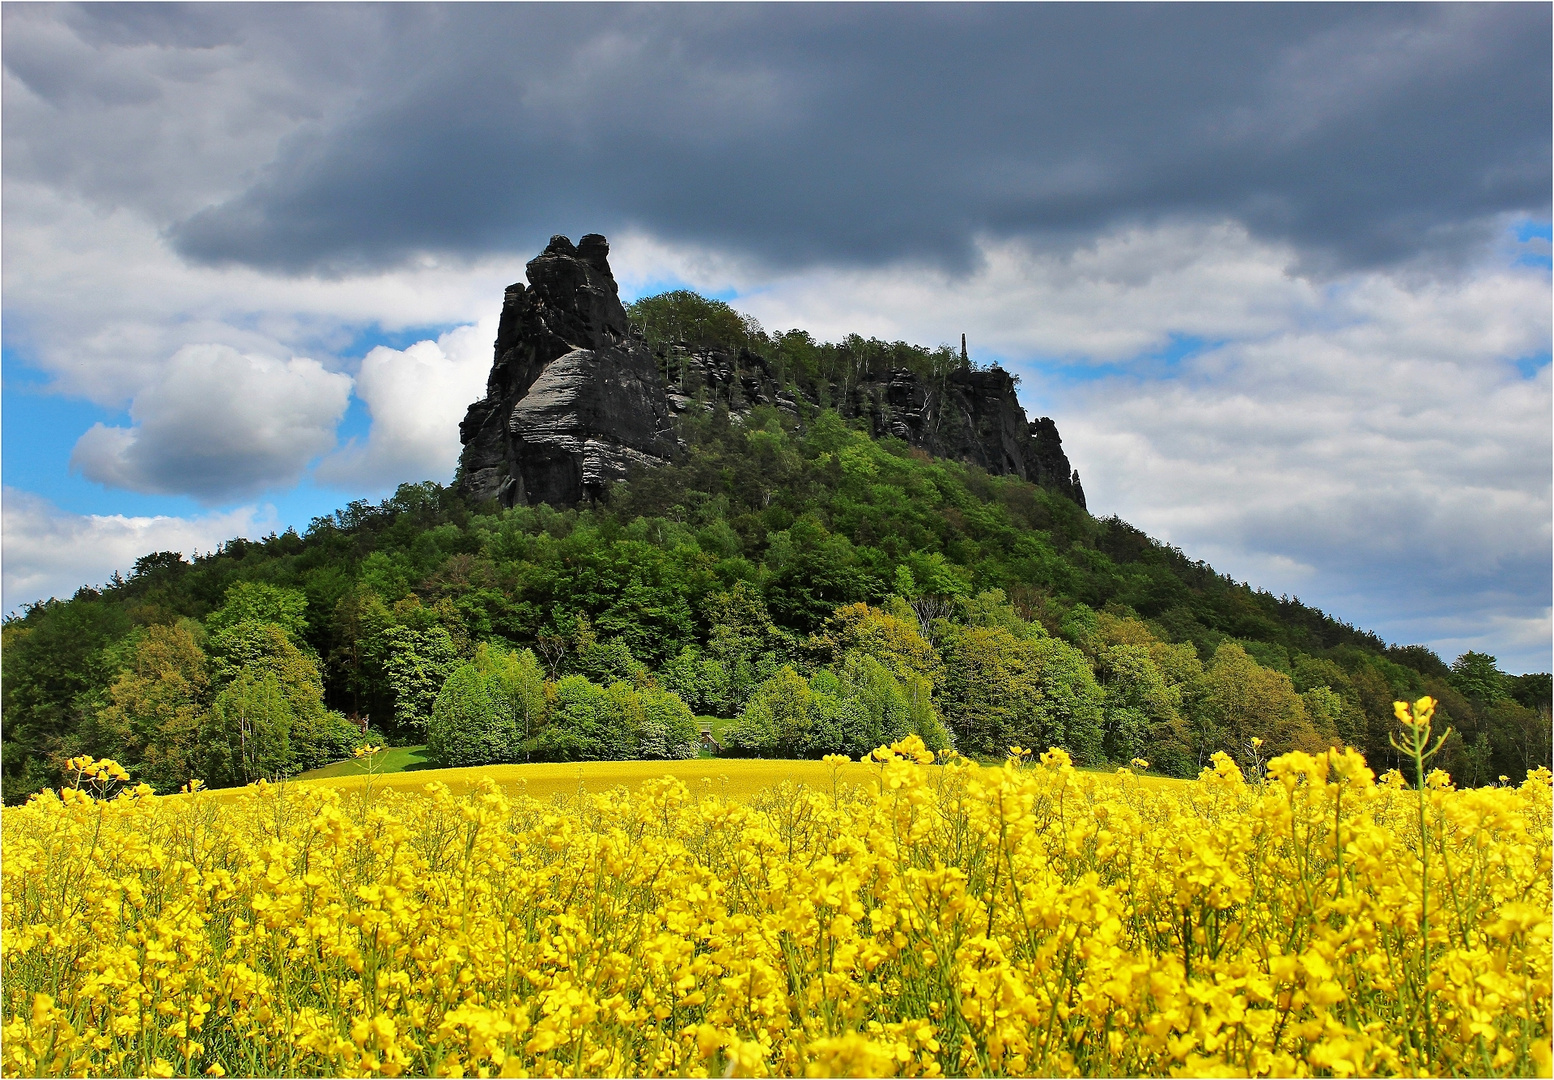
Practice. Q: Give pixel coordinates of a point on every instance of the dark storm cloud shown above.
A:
(865, 134)
(801, 134)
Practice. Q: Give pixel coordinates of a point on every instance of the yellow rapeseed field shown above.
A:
(903, 916)
(732, 777)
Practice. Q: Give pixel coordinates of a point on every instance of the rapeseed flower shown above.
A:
(943, 920)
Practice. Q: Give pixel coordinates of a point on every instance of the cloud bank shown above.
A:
(861, 134)
(50, 552)
(219, 423)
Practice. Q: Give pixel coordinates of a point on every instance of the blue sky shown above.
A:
(1280, 273)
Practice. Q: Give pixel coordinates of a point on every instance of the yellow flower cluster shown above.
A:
(98, 779)
(942, 919)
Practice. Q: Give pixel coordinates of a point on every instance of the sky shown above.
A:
(1281, 273)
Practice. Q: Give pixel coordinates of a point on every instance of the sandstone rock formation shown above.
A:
(970, 415)
(974, 417)
(575, 398)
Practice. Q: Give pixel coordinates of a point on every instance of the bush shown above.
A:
(321, 737)
(468, 727)
(586, 724)
(668, 727)
(848, 713)
(775, 720)
(488, 711)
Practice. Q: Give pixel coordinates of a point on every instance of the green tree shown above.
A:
(489, 710)
(893, 707)
(315, 734)
(606, 662)
(1519, 738)
(1478, 675)
(416, 663)
(1142, 710)
(590, 723)
(813, 570)
(468, 726)
(836, 723)
(58, 663)
(247, 733)
(1002, 691)
(257, 601)
(1478, 764)
(1082, 626)
(320, 735)
(1534, 691)
(1069, 713)
(990, 690)
(516, 684)
(703, 683)
(154, 709)
(1243, 700)
(894, 641)
(742, 639)
(667, 727)
(684, 317)
(991, 607)
(358, 619)
(776, 719)
(848, 711)
(1329, 715)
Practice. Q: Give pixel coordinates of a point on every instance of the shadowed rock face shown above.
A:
(575, 399)
(969, 415)
(974, 417)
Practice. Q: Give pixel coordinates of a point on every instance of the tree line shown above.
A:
(675, 323)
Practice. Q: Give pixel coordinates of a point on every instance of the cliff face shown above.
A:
(975, 417)
(575, 398)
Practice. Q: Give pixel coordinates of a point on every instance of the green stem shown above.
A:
(1424, 891)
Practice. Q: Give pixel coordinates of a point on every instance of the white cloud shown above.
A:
(218, 422)
(417, 396)
(1391, 449)
(50, 552)
(1520, 643)
(97, 300)
(1123, 294)
(167, 125)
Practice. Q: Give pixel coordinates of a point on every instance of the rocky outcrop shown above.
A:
(575, 399)
(968, 415)
(971, 416)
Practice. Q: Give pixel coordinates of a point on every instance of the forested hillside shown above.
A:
(824, 591)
